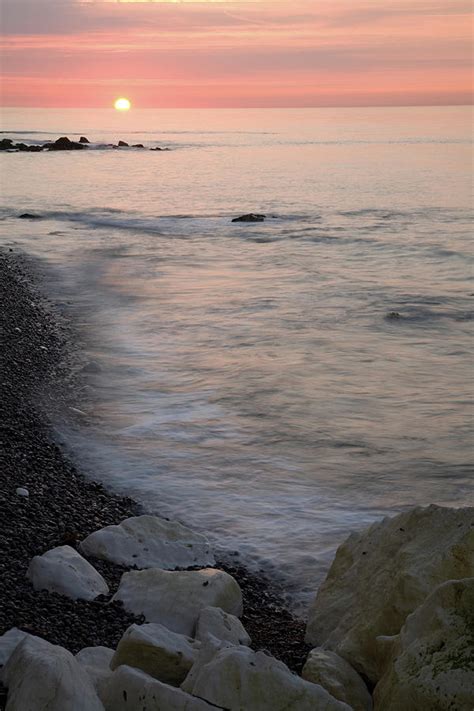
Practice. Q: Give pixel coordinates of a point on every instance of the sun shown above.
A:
(122, 104)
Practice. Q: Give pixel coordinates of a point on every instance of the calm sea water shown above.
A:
(247, 379)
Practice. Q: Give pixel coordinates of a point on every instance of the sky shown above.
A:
(245, 53)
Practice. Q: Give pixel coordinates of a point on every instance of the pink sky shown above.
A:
(81, 53)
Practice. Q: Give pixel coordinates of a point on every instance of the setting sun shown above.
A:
(122, 104)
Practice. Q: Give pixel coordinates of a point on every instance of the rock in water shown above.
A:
(64, 571)
(123, 144)
(431, 661)
(43, 677)
(148, 542)
(380, 575)
(219, 624)
(132, 690)
(338, 678)
(138, 145)
(65, 144)
(83, 139)
(250, 217)
(175, 599)
(29, 216)
(235, 677)
(154, 649)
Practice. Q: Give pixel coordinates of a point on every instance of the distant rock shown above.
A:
(148, 542)
(175, 599)
(6, 144)
(29, 216)
(123, 144)
(83, 139)
(157, 148)
(382, 574)
(64, 571)
(65, 144)
(338, 678)
(393, 315)
(250, 217)
(431, 662)
(138, 145)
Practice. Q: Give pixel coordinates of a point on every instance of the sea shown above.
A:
(276, 385)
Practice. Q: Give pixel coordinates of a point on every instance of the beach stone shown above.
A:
(382, 574)
(338, 678)
(250, 217)
(64, 571)
(44, 677)
(149, 542)
(235, 678)
(21, 491)
(175, 599)
(214, 621)
(431, 664)
(96, 662)
(156, 650)
(131, 689)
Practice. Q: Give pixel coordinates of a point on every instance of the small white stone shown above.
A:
(156, 650)
(21, 491)
(64, 571)
(149, 542)
(175, 599)
(131, 689)
(44, 677)
(235, 677)
(214, 621)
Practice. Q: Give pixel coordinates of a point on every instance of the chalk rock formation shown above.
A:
(380, 575)
(235, 678)
(8, 643)
(338, 678)
(131, 689)
(64, 571)
(156, 650)
(96, 662)
(148, 542)
(175, 599)
(43, 677)
(228, 628)
(431, 665)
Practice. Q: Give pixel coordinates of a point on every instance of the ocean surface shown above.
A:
(276, 385)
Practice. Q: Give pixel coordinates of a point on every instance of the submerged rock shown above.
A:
(235, 678)
(158, 651)
(64, 571)
(382, 574)
(250, 217)
(219, 624)
(44, 677)
(175, 599)
(431, 662)
(65, 144)
(29, 216)
(338, 678)
(148, 542)
(138, 145)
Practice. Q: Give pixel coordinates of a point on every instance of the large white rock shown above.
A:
(238, 679)
(63, 570)
(8, 643)
(96, 662)
(175, 599)
(156, 650)
(338, 678)
(43, 677)
(132, 690)
(431, 665)
(214, 621)
(149, 542)
(382, 574)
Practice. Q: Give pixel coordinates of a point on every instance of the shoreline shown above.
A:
(63, 506)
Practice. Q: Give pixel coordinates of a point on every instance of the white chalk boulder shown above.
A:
(64, 571)
(380, 575)
(149, 542)
(96, 662)
(214, 621)
(158, 651)
(8, 643)
(338, 678)
(431, 665)
(44, 677)
(236, 678)
(175, 599)
(131, 689)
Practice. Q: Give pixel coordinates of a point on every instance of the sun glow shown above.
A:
(122, 104)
